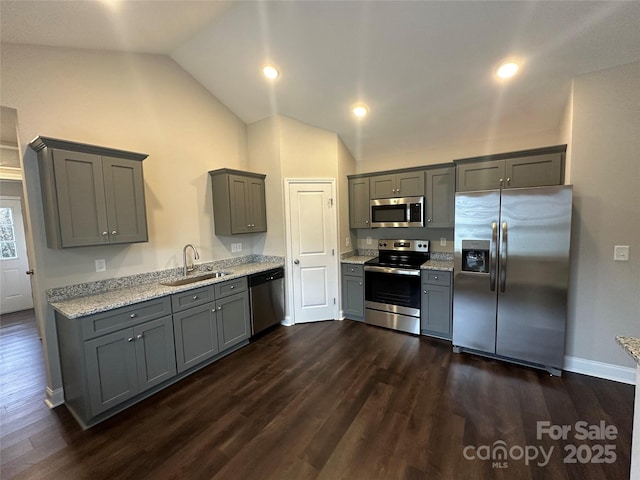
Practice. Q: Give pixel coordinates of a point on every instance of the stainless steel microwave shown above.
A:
(397, 212)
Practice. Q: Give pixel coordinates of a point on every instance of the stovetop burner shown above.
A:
(408, 254)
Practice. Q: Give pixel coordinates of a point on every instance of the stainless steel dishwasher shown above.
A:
(266, 290)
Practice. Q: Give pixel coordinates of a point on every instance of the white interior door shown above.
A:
(15, 284)
(312, 221)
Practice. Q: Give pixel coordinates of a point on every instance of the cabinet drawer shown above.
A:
(230, 287)
(436, 277)
(191, 298)
(124, 317)
(352, 269)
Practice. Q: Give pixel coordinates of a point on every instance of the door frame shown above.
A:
(290, 303)
(23, 214)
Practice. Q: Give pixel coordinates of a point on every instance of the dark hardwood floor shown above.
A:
(331, 400)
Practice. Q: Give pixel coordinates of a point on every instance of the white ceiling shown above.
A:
(423, 67)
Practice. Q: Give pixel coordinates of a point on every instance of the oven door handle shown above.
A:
(393, 270)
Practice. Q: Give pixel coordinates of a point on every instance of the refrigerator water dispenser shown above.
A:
(475, 256)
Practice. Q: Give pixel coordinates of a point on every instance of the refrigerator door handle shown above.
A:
(493, 256)
(503, 258)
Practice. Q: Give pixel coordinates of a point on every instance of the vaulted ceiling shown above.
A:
(424, 68)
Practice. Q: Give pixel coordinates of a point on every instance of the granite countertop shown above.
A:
(358, 259)
(434, 264)
(631, 345)
(80, 306)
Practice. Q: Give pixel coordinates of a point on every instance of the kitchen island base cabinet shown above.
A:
(436, 313)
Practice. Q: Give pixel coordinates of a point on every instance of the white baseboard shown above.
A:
(287, 322)
(55, 398)
(607, 371)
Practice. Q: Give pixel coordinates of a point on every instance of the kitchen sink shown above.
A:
(199, 278)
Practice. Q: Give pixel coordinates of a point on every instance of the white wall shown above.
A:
(143, 103)
(264, 157)
(346, 166)
(605, 171)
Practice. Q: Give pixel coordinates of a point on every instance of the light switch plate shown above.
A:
(101, 265)
(621, 253)
(347, 241)
(443, 242)
(368, 240)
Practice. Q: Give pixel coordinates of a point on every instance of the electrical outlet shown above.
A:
(347, 241)
(369, 241)
(621, 253)
(101, 265)
(239, 247)
(443, 242)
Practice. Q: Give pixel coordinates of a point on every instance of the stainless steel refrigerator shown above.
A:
(511, 274)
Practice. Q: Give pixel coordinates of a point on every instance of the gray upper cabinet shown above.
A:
(440, 197)
(238, 202)
(528, 168)
(405, 184)
(359, 202)
(92, 195)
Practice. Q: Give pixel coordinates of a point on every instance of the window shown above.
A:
(7, 235)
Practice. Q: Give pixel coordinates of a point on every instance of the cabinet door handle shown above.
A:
(139, 337)
(133, 315)
(130, 339)
(428, 220)
(219, 308)
(435, 277)
(424, 291)
(195, 297)
(360, 284)
(114, 232)
(501, 181)
(508, 180)
(105, 233)
(366, 222)
(232, 287)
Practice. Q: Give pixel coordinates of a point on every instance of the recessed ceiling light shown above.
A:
(507, 70)
(270, 72)
(360, 110)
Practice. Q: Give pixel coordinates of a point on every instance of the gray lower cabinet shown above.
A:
(91, 195)
(122, 364)
(210, 320)
(528, 168)
(353, 291)
(234, 320)
(196, 335)
(113, 359)
(238, 202)
(440, 197)
(436, 313)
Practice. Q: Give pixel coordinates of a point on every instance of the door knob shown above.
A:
(296, 261)
(30, 272)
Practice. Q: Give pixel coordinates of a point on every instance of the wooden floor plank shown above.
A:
(328, 400)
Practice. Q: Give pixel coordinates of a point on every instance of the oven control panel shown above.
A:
(404, 245)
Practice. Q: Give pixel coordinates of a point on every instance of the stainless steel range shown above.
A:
(392, 285)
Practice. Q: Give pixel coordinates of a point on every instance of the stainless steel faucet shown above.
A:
(185, 268)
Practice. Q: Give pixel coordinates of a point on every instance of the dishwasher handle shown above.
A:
(265, 277)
